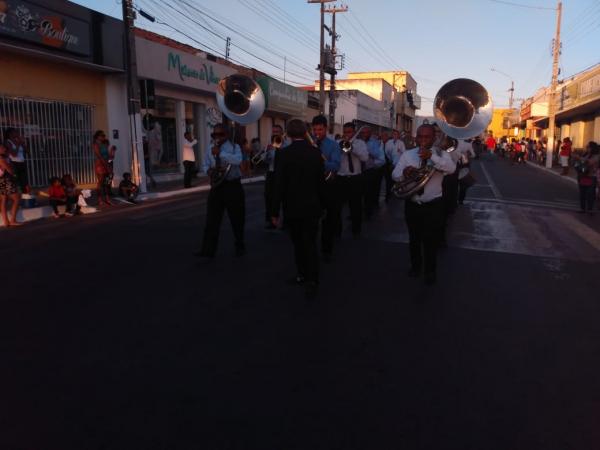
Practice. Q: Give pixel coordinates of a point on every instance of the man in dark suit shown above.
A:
(299, 187)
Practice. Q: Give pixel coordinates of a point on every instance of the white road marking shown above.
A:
(491, 182)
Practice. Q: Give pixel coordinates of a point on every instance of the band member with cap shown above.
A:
(392, 149)
(277, 141)
(373, 171)
(350, 183)
(424, 211)
(299, 188)
(228, 195)
(332, 155)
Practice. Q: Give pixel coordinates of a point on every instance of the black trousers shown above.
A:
(20, 169)
(450, 192)
(269, 187)
(227, 196)
(425, 227)
(462, 192)
(372, 188)
(587, 196)
(351, 192)
(304, 237)
(188, 172)
(331, 225)
(389, 182)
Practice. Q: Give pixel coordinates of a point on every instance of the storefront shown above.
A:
(178, 87)
(57, 59)
(283, 102)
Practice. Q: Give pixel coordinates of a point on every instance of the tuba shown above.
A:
(242, 100)
(463, 109)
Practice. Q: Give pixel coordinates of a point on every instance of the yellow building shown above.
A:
(499, 126)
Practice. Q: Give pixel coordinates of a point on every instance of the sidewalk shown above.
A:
(161, 190)
(556, 170)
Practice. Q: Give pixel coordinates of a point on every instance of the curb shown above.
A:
(41, 212)
(545, 169)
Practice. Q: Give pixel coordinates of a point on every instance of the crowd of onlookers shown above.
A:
(63, 191)
(585, 163)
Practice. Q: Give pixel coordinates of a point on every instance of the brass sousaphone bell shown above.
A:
(463, 109)
(242, 100)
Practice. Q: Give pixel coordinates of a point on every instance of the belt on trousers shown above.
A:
(431, 202)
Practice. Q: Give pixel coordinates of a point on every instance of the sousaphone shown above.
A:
(463, 109)
(242, 100)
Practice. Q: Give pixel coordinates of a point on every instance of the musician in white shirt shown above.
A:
(392, 149)
(349, 177)
(189, 159)
(424, 211)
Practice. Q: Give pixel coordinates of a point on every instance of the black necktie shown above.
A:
(350, 162)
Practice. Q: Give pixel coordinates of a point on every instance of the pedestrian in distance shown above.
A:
(17, 153)
(587, 166)
(300, 190)
(565, 155)
(8, 190)
(103, 166)
(189, 159)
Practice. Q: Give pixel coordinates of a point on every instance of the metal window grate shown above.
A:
(58, 135)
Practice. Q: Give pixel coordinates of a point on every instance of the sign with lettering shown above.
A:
(163, 63)
(23, 20)
(284, 98)
(590, 86)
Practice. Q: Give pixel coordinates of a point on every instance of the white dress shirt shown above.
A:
(188, 150)
(393, 150)
(441, 161)
(359, 154)
(464, 151)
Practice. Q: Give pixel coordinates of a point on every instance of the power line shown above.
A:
(251, 37)
(233, 44)
(520, 5)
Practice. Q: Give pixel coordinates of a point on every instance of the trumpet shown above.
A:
(346, 145)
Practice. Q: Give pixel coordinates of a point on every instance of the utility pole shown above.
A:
(512, 91)
(322, 55)
(227, 46)
(331, 70)
(552, 99)
(133, 94)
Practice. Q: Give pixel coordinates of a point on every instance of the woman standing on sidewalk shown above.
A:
(102, 166)
(587, 170)
(8, 189)
(565, 154)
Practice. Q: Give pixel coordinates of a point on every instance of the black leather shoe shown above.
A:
(430, 279)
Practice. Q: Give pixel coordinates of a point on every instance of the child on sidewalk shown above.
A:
(72, 194)
(127, 188)
(57, 195)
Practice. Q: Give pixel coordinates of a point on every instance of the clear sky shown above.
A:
(435, 40)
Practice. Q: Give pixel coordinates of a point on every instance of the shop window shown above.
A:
(58, 137)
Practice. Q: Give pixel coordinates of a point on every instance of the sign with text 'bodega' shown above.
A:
(26, 21)
(163, 63)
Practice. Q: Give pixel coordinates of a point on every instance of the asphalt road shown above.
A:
(115, 337)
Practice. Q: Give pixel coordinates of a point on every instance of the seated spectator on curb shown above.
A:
(127, 188)
(57, 196)
(72, 194)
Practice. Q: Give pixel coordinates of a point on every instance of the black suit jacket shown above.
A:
(299, 181)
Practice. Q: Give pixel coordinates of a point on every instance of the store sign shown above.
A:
(26, 21)
(163, 63)
(590, 86)
(284, 98)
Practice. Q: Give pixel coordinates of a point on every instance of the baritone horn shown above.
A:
(463, 109)
(242, 100)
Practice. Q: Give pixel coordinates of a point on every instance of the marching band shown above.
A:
(310, 178)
